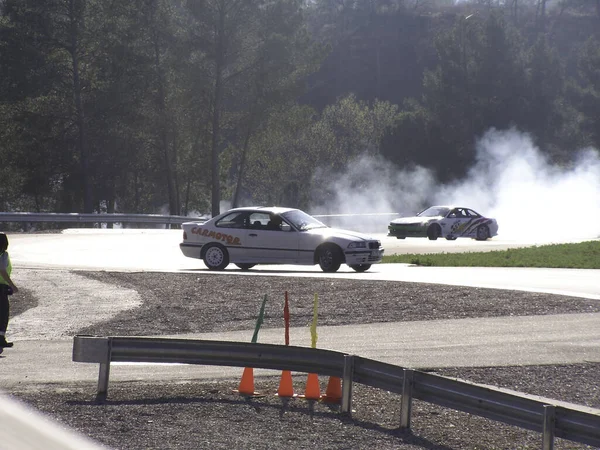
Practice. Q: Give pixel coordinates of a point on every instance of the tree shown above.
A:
(299, 150)
(544, 93)
(499, 78)
(585, 91)
(283, 60)
(223, 31)
(255, 53)
(478, 84)
(51, 96)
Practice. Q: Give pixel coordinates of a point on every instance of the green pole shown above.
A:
(259, 321)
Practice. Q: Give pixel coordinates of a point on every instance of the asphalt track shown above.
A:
(158, 250)
(569, 338)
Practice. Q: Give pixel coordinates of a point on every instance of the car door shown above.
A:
(231, 231)
(270, 245)
(475, 220)
(456, 222)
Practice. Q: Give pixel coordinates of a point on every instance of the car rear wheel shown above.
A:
(245, 266)
(433, 232)
(216, 257)
(361, 267)
(329, 258)
(483, 232)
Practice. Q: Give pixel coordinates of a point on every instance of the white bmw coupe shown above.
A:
(260, 235)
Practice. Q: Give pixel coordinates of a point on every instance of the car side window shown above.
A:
(258, 220)
(233, 220)
(262, 221)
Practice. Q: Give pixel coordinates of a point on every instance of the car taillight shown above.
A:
(184, 235)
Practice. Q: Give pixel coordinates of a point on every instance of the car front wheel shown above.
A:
(433, 232)
(330, 258)
(216, 257)
(361, 267)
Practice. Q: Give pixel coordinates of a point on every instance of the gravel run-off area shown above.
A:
(200, 413)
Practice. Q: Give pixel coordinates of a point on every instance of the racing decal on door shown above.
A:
(223, 237)
(473, 224)
(467, 228)
(457, 227)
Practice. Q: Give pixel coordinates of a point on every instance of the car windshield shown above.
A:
(302, 221)
(434, 211)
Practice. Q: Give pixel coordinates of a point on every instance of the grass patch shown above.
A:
(583, 255)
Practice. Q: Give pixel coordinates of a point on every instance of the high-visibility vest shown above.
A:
(8, 269)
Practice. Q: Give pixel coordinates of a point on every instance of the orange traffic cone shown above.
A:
(286, 388)
(247, 383)
(333, 394)
(313, 389)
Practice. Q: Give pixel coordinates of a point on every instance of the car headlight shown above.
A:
(361, 244)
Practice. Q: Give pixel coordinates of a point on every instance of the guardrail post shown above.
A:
(548, 428)
(406, 405)
(347, 379)
(104, 373)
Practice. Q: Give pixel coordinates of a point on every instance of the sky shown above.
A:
(511, 181)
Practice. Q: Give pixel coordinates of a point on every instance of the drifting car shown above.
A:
(274, 235)
(450, 222)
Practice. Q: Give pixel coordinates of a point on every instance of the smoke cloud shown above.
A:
(511, 180)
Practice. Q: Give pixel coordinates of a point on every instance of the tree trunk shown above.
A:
(174, 207)
(541, 15)
(216, 124)
(188, 182)
(515, 11)
(80, 116)
(242, 168)
(110, 209)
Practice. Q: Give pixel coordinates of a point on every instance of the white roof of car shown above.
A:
(448, 206)
(274, 209)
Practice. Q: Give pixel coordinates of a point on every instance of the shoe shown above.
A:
(6, 344)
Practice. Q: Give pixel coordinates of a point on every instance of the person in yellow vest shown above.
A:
(7, 287)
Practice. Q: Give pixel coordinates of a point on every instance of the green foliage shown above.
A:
(584, 255)
(154, 105)
(473, 87)
(282, 155)
(297, 147)
(584, 91)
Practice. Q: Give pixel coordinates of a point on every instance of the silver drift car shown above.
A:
(450, 222)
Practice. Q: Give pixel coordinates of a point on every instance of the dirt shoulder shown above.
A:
(207, 414)
(190, 303)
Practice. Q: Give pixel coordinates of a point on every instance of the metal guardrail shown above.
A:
(515, 409)
(131, 218)
(27, 217)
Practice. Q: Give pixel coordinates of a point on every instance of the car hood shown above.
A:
(414, 220)
(341, 234)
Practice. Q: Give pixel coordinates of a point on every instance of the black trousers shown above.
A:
(4, 307)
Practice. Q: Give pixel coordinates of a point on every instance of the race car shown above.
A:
(450, 222)
(274, 235)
